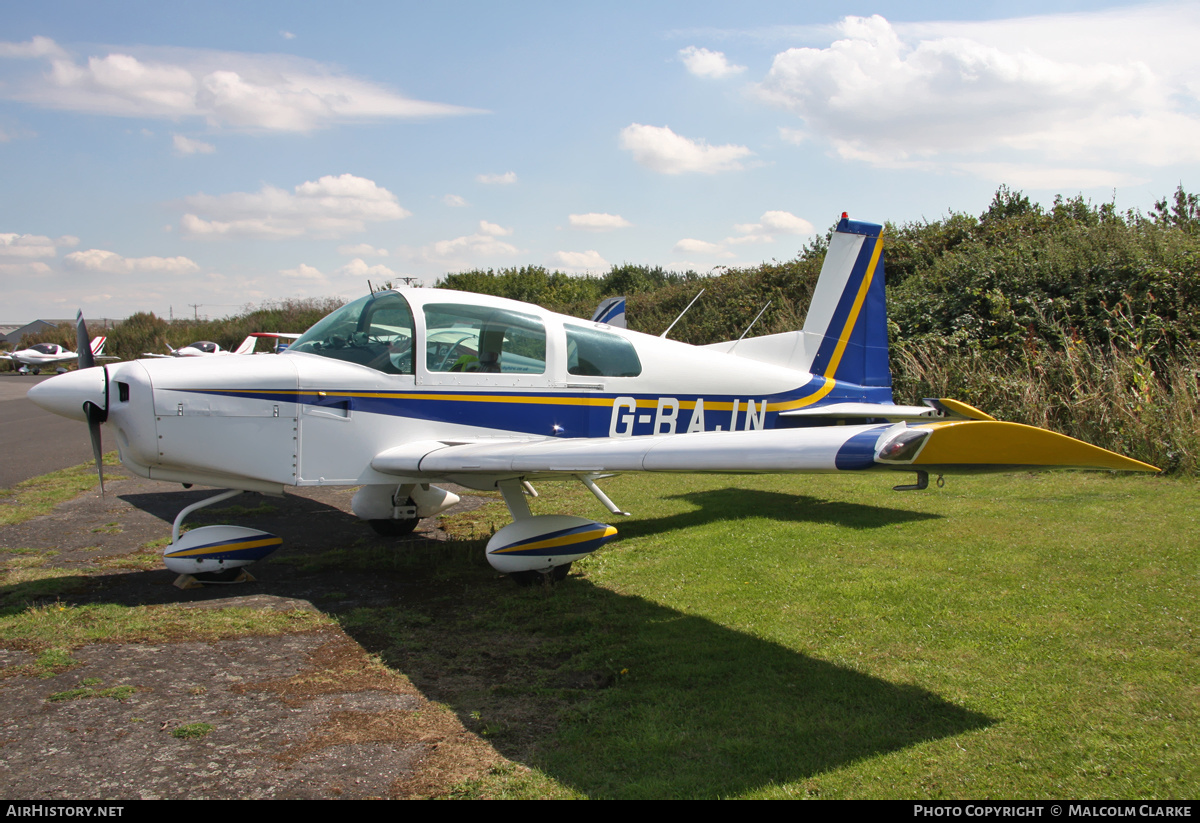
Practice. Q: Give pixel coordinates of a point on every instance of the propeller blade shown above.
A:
(95, 417)
(83, 343)
(97, 449)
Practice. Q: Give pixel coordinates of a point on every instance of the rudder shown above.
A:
(846, 327)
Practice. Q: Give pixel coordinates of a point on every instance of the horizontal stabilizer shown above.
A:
(887, 411)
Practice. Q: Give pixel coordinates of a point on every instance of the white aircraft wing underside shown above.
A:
(772, 450)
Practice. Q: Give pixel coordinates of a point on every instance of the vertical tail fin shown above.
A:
(247, 346)
(611, 311)
(845, 332)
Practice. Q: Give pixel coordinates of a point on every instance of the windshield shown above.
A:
(374, 331)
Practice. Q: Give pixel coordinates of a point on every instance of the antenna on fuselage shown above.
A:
(752, 322)
(681, 314)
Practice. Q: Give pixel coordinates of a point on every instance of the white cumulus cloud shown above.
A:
(777, 221)
(328, 207)
(248, 92)
(691, 246)
(32, 268)
(110, 262)
(1077, 96)
(186, 145)
(704, 63)
(362, 250)
(498, 179)
(589, 260)
(304, 272)
(36, 47)
(33, 245)
(454, 201)
(466, 250)
(493, 229)
(662, 150)
(594, 221)
(360, 268)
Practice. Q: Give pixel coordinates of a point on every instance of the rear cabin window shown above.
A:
(597, 353)
(483, 339)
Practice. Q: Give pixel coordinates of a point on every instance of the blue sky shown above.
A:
(161, 155)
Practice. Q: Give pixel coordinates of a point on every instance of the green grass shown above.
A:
(39, 495)
(1024, 636)
(88, 691)
(191, 731)
(25, 579)
(61, 626)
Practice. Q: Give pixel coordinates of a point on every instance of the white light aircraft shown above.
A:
(44, 355)
(402, 389)
(206, 348)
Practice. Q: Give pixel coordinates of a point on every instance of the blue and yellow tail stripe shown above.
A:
(855, 348)
(577, 540)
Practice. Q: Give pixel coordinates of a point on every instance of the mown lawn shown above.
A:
(1027, 636)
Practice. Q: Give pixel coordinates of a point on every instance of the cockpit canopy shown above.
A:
(378, 331)
(375, 331)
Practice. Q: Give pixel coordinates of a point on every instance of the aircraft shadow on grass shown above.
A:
(711, 711)
(733, 504)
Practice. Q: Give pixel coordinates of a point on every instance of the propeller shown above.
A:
(96, 414)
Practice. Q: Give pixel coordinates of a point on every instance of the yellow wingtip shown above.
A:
(990, 445)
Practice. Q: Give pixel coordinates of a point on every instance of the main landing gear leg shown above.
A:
(208, 501)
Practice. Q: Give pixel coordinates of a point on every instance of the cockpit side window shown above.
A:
(461, 338)
(599, 353)
(375, 331)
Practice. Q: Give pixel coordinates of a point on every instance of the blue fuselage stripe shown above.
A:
(567, 414)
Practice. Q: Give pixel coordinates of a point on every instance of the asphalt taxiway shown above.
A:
(32, 441)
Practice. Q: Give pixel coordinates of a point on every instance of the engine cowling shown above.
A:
(543, 542)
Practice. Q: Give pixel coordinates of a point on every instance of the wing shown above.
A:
(945, 447)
